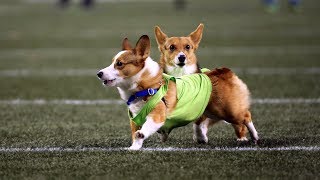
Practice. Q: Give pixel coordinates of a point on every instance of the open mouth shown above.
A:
(106, 82)
(181, 64)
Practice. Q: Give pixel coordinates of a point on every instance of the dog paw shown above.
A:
(163, 137)
(242, 139)
(134, 148)
(136, 145)
(256, 141)
(200, 140)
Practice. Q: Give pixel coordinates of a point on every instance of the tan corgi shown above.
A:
(159, 103)
(178, 58)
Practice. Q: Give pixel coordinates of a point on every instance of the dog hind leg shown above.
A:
(241, 131)
(252, 130)
(200, 129)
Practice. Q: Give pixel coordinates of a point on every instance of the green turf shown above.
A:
(94, 126)
(165, 165)
(237, 34)
(108, 126)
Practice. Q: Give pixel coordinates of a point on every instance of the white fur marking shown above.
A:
(242, 139)
(136, 107)
(118, 55)
(136, 144)
(150, 127)
(200, 131)
(152, 66)
(180, 71)
(253, 130)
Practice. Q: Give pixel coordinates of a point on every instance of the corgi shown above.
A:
(156, 101)
(178, 58)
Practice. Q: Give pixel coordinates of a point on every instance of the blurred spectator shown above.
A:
(273, 5)
(180, 4)
(84, 3)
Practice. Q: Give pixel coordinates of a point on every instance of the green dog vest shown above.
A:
(193, 94)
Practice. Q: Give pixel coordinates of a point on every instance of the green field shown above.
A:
(53, 54)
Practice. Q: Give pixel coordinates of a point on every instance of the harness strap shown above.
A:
(140, 118)
(146, 92)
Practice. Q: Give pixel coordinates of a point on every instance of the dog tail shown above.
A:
(223, 73)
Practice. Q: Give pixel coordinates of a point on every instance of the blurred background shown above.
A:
(52, 49)
(68, 41)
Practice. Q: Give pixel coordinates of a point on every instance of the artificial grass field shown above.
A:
(53, 54)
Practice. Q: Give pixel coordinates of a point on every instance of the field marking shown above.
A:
(277, 71)
(62, 102)
(121, 102)
(103, 33)
(168, 149)
(208, 50)
(286, 101)
(92, 72)
(49, 72)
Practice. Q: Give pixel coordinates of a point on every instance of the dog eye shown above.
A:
(172, 48)
(119, 63)
(187, 47)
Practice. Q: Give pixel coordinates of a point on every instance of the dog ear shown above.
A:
(197, 35)
(160, 36)
(143, 47)
(126, 44)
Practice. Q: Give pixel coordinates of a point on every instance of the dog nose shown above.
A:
(182, 58)
(100, 74)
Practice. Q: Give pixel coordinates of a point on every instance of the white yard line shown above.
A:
(286, 101)
(208, 50)
(120, 102)
(92, 72)
(49, 72)
(61, 102)
(53, 52)
(276, 71)
(260, 50)
(169, 149)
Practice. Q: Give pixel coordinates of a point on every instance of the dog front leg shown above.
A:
(134, 129)
(149, 127)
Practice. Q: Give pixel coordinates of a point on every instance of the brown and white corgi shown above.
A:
(133, 71)
(178, 58)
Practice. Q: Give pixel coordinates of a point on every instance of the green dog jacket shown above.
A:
(193, 94)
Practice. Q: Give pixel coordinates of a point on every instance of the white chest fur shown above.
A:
(180, 71)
